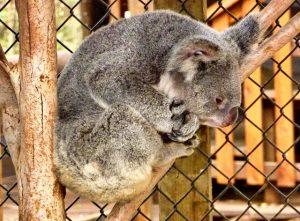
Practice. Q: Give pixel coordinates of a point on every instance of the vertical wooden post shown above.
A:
(225, 156)
(284, 129)
(92, 11)
(192, 205)
(136, 7)
(253, 136)
(115, 9)
(40, 194)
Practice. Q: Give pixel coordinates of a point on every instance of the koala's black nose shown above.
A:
(220, 103)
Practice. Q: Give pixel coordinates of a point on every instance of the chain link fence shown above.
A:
(255, 164)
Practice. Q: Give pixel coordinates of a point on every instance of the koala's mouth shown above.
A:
(224, 121)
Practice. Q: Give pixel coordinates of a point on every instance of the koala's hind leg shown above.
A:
(115, 161)
(175, 150)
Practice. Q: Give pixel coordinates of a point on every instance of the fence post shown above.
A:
(40, 194)
(253, 136)
(193, 206)
(284, 129)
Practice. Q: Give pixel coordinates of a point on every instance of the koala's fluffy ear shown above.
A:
(245, 34)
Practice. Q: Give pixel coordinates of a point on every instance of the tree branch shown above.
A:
(270, 46)
(271, 12)
(9, 109)
(40, 194)
(125, 211)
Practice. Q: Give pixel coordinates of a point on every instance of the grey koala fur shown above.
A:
(133, 80)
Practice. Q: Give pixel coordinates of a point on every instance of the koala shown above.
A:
(136, 81)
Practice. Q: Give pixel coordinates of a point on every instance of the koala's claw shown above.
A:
(189, 151)
(193, 142)
(186, 130)
(177, 107)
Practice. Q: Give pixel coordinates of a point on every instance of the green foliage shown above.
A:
(69, 29)
(9, 28)
(69, 33)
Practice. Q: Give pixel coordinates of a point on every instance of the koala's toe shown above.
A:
(193, 142)
(177, 107)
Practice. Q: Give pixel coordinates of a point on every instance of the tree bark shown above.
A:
(126, 211)
(270, 46)
(40, 194)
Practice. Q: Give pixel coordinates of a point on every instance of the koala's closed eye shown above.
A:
(199, 53)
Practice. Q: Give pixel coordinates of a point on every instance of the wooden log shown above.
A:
(271, 45)
(115, 10)
(225, 156)
(270, 13)
(125, 211)
(145, 209)
(284, 129)
(175, 186)
(92, 11)
(242, 175)
(196, 9)
(215, 9)
(135, 7)
(40, 194)
(253, 136)
(270, 194)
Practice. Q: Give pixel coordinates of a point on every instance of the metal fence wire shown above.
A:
(255, 164)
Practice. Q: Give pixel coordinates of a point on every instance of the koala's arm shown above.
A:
(155, 107)
(113, 81)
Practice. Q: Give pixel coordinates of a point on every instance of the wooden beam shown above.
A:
(253, 136)
(233, 210)
(196, 9)
(225, 156)
(272, 44)
(215, 6)
(242, 175)
(271, 12)
(193, 206)
(115, 9)
(284, 129)
(136, 7)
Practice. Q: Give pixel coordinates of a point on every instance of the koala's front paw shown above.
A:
(186, 130)
(177, 107)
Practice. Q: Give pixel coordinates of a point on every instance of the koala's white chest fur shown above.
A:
(166, 86)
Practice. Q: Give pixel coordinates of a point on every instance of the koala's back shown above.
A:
(139, 45)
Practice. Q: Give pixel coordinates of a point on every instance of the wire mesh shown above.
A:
(263, 179)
